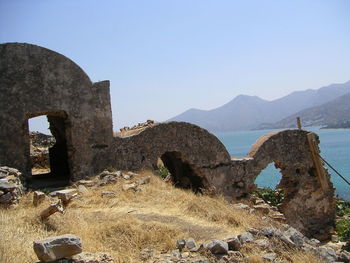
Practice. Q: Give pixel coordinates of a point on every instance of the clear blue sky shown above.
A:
(164, 57)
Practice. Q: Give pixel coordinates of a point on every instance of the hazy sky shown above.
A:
(164, 57)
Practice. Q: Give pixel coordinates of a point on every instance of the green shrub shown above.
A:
(162, 171)
(343, 207)
(271, 196)
(343, 231)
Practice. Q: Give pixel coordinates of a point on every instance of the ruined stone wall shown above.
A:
(36, 81)
(306, 206)
(196, 145)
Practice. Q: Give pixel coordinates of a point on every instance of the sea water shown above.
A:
(334, 146)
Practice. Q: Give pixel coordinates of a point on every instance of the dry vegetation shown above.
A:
(130, 221)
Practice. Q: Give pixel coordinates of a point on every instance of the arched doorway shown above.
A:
(183, 174)
(59, 170)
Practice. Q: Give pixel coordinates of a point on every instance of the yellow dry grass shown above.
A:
(126, 223)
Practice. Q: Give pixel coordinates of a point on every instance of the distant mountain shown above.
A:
(333, 114)
(247, 112)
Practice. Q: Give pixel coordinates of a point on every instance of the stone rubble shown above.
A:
(188, 250)
(229, 249)
(11, 187)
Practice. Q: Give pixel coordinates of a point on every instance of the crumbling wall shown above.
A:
(306, 206)
(36, 81)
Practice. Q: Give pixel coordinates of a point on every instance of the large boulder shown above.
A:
(57, 247)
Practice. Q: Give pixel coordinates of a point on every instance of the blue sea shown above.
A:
(334, 145)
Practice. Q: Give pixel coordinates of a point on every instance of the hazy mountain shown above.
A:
(247, 112)
(335, 113)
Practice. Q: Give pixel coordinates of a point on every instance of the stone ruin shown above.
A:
(36, 81)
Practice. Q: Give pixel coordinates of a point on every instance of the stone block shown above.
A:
(57, 247)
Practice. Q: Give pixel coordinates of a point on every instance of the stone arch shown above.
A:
(306, 206)
(37, 81)
(185, 146)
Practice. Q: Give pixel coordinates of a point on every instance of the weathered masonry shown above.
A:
(36, 81)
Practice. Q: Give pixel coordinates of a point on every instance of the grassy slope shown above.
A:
(131, 221)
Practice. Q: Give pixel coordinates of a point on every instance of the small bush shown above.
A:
(162, 171)
(271, 196)
(343, 231)
(343, 208)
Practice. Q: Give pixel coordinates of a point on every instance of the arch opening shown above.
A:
(268, 184)
(183, 174)
(57, 172)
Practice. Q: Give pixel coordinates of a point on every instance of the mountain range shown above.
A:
(251, 112)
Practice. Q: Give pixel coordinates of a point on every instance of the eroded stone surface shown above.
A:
(36, 81)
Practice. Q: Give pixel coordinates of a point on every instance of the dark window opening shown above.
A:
(51, 167)
(182, 173)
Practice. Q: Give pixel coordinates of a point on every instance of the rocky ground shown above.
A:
(127, 217)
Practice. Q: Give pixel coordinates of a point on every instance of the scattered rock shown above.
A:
(82, 189)
(278, 217)
(176, 253)
(108, 193)
(263, 208)
(267, 232)
(263, 243)
(253, 231)
(269, 257)
(233, 243)
(53, 208)
(133, 186)
(143, 181)
(246, 237)
(241, 206)
(295, 236)
(6, 198)
(218, 247)
(85, 257)
(126, 176)
(38, 198)
(180, 244)
(326, 254)
(66, 195)
(190, 243)
(57, 247)
(146, 254)
(87, 183)
(344, 256)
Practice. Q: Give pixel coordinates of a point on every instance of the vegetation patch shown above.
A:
(273, 197)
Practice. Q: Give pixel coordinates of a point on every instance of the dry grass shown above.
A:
(125, 224)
